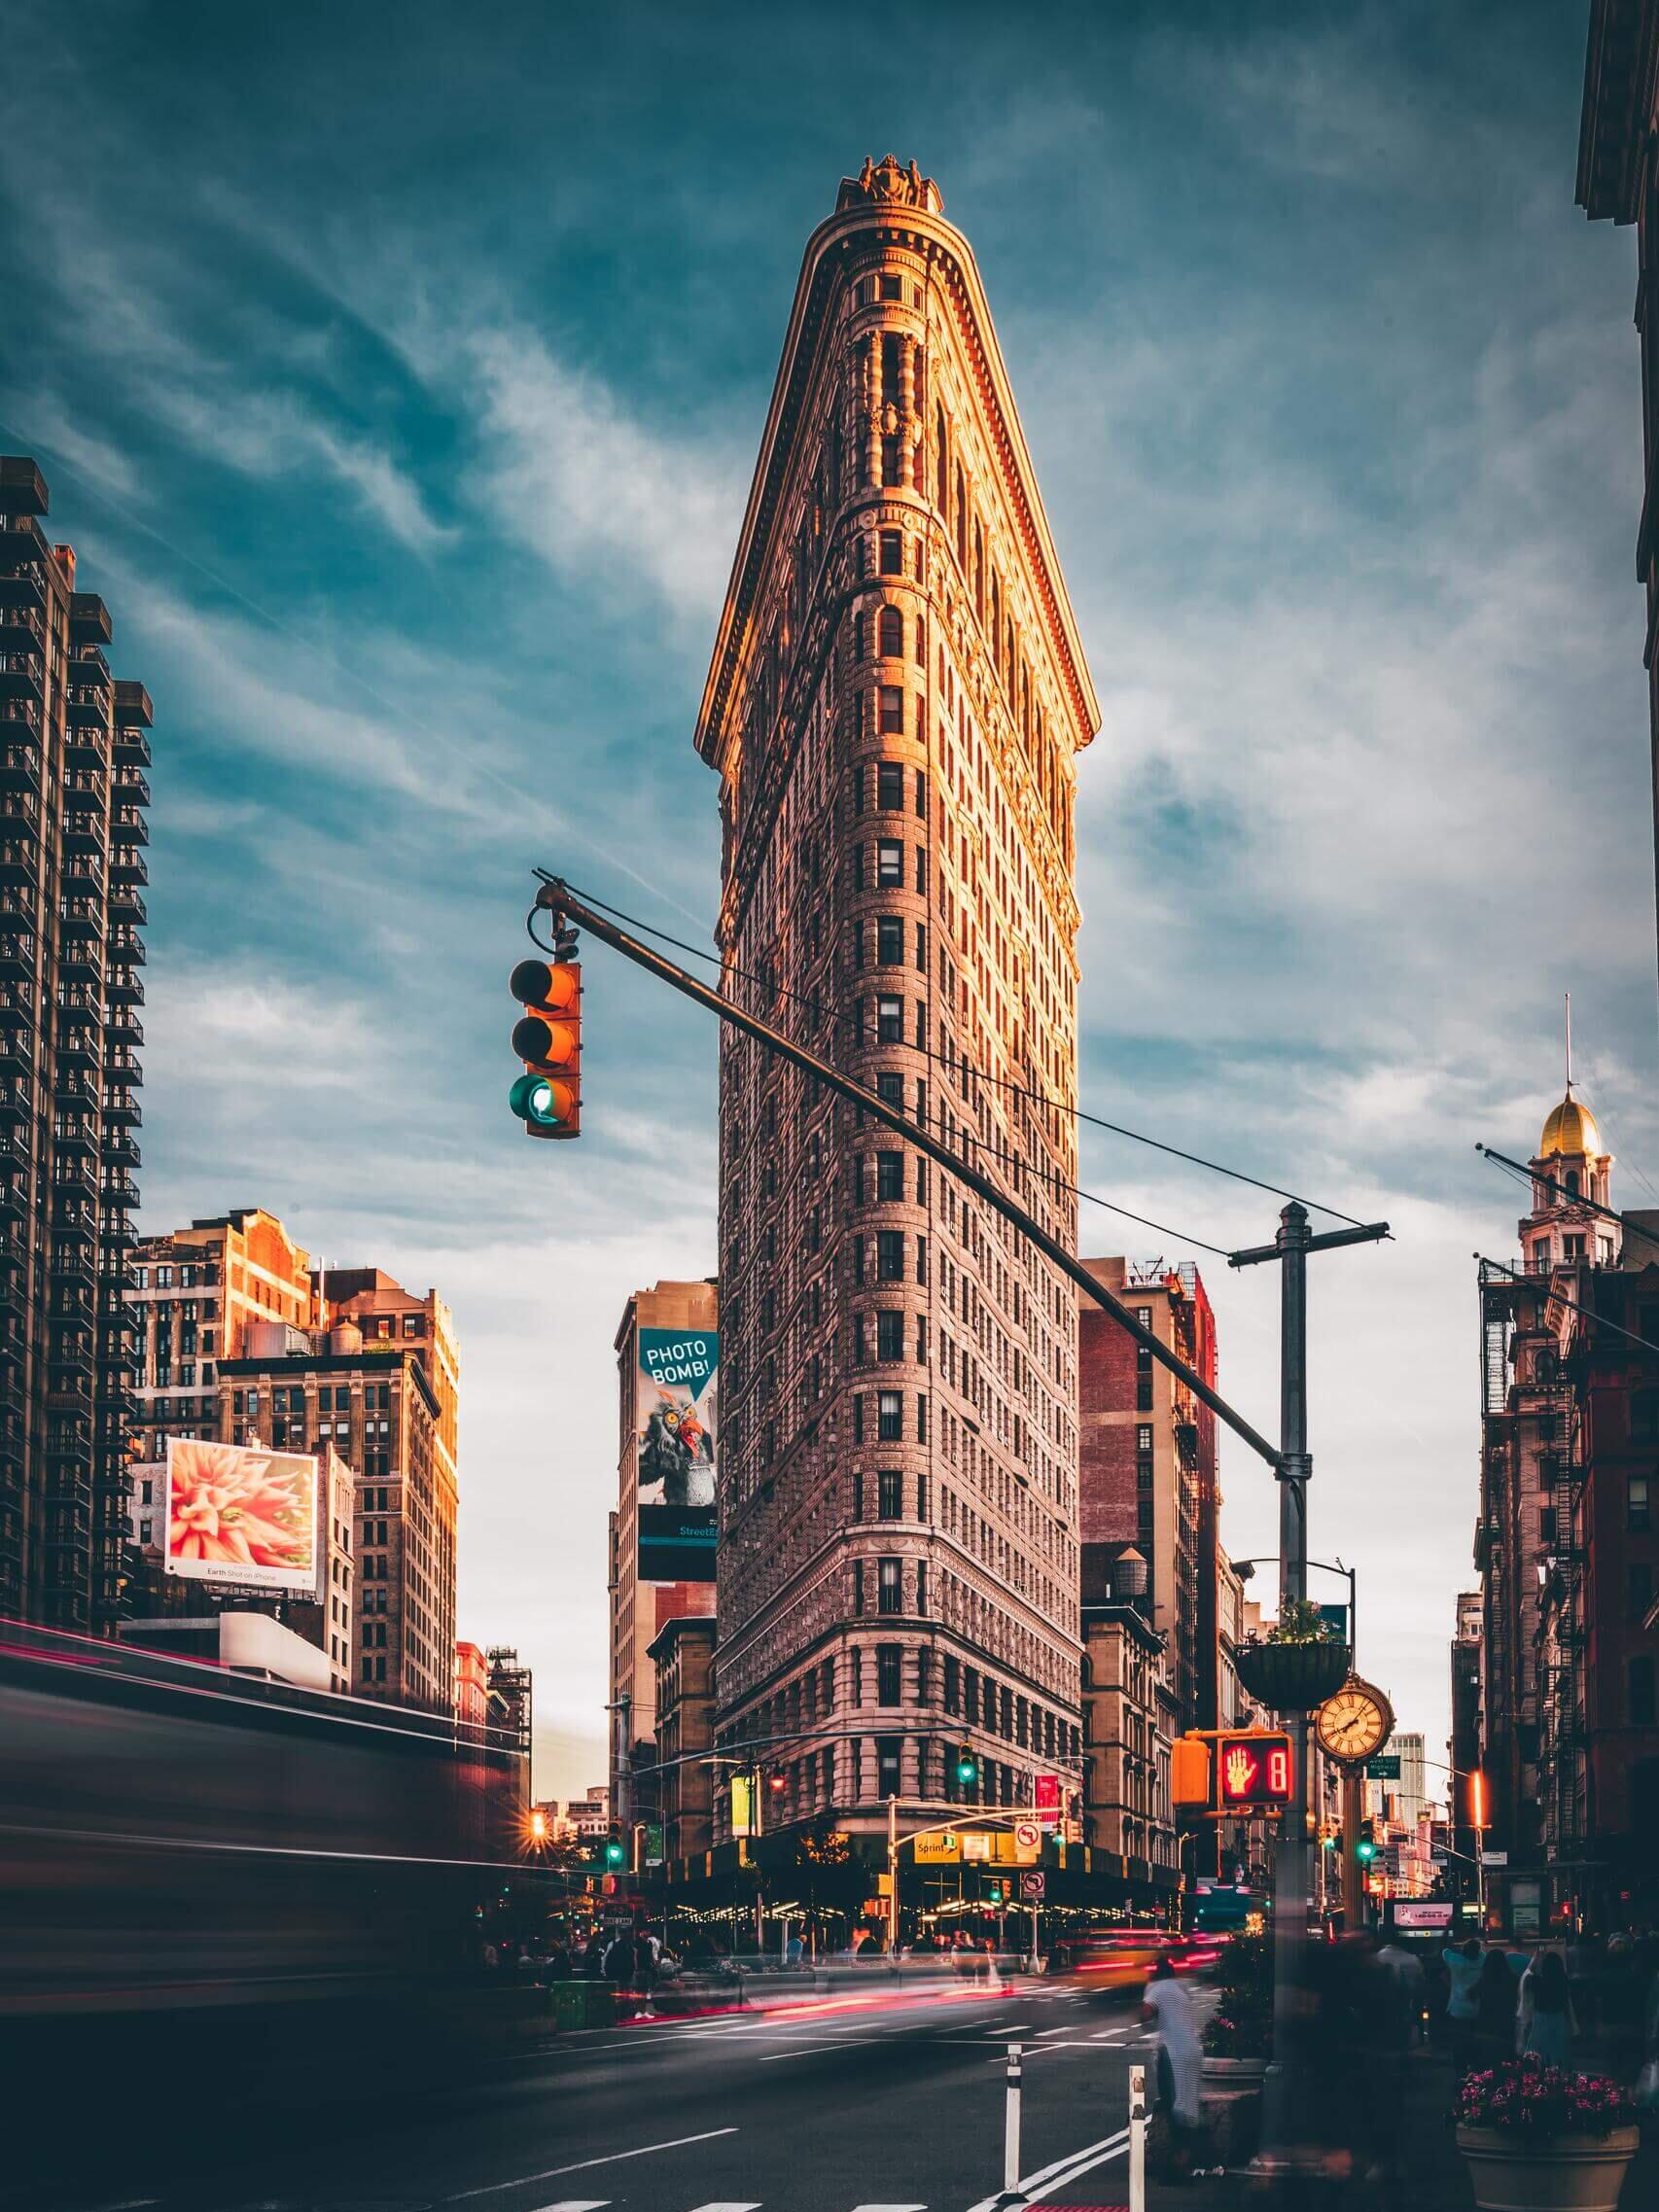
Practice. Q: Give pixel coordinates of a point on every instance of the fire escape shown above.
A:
(1561, 1631)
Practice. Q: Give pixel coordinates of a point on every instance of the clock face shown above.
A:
(1355, 1724)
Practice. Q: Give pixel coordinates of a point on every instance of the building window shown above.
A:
(1142, 1393)
(890, 1586)
(887, 1663)
(1143, 1516)
(1143, 1474)
(891, 552)
(890, 1484)
(890, 1255)
(1640, 1706)
(890, 863)
(887, 1766)
(1637, 1590)
(1636, 1503)
(892, 721)
(889, 941)
(889, 1021)
(892, 648)
(890, 1171)
(890, 1417)
(889, 1333)
(1143, 1439)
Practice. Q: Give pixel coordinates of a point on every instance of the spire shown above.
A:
(1569, 999)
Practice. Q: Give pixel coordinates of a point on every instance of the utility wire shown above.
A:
(942, 1122)
(993, 1082)
(1526, 1175)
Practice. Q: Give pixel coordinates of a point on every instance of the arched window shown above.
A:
(943, 451)
(1571, 1180)
(892, 634)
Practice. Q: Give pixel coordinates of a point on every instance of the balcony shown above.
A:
(131, 745)
(120, 1150)
(132, 784)
(127, 945)
(128, 864)
(20, 764)
(84, 871)
(19, 814)
(122, 1107)
(122, 1026)
(126, 905)
(124, 989)
(20, 953)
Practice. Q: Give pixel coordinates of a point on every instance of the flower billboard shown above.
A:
(242, 1517)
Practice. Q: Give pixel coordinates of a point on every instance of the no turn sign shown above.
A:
(1032, 1885)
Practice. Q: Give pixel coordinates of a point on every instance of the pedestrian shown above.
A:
(1496, 2009)
(1167, 2009)
(1463, 1975)
(1547, 2024)
(795, 1950)
(620, 1961)
(1391, 2006)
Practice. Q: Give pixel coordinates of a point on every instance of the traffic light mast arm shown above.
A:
(557, 898)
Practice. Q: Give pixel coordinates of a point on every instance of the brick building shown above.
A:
(1146, 1465)
(1128, 1726)
(641, 1607)
(895, 705)
(244, 1340)
(1527, 1477)
(74, 746)
(1598, 1633)
(682, 1657)
(1464, 1749)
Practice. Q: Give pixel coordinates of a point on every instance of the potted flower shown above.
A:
(1536, 2137)
(1237, 2036)
(1300, 1661)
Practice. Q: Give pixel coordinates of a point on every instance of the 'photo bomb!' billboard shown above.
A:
(677, 1426)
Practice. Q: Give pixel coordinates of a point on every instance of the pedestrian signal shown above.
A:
(547, 1037)
(1253, 1771)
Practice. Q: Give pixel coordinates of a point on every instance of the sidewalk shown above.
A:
(1431, 2176)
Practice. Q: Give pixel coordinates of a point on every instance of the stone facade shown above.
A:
(682, 1657)
(895, 705)
(1128, 1712)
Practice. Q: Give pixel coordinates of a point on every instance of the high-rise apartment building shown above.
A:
(1147, 1472)
(646, 1590)
(1618, 181)
(73, 798)
(245, 1340)
(895, 705)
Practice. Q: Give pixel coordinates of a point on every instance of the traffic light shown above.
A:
(777, 1783)
(1366, 1848)
(538, 1826)
(967, 1767)
(1330, 1837)
(616, 1850)
(547, 1037)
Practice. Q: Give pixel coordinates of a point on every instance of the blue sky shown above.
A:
(398, 374)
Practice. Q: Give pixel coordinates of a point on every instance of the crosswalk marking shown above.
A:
(578, 2204)
(890, 2208)
(723, 2206)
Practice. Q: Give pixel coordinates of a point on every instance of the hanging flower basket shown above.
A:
(1292, 1677)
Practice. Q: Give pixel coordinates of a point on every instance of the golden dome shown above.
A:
(1570, 1128)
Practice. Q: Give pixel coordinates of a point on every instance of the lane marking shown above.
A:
(890, 2208)
(722, 2207)
(613, 2157)
(581, 2205)
(1062, 2170)
(815, 2050)
(1044, 2032)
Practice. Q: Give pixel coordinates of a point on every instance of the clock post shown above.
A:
(1283, 2098)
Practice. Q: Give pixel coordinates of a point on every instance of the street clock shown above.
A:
(1355, 1724)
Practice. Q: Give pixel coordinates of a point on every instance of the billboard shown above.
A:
(242, 1517)
(677, 1425)
(1424, 1914)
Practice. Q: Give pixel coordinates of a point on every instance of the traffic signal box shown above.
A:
(967, 1767)
(547, 1037)
(1229, 1772)
(616, 1850)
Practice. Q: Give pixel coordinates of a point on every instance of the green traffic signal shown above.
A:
(1364, 1851)
(967, 1767)
(615, 1851)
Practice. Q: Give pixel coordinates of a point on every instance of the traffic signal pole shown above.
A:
(558, 899)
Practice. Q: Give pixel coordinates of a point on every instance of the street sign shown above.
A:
(1335, 1619)
(1494, 1858)
(1046, 1797)
(1032, 1886)
(1384, 1768)
(1028, 1842)
(976, 1844)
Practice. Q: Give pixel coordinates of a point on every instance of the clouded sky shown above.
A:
(398, 374)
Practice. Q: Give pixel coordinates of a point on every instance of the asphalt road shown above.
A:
(859, 2103)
